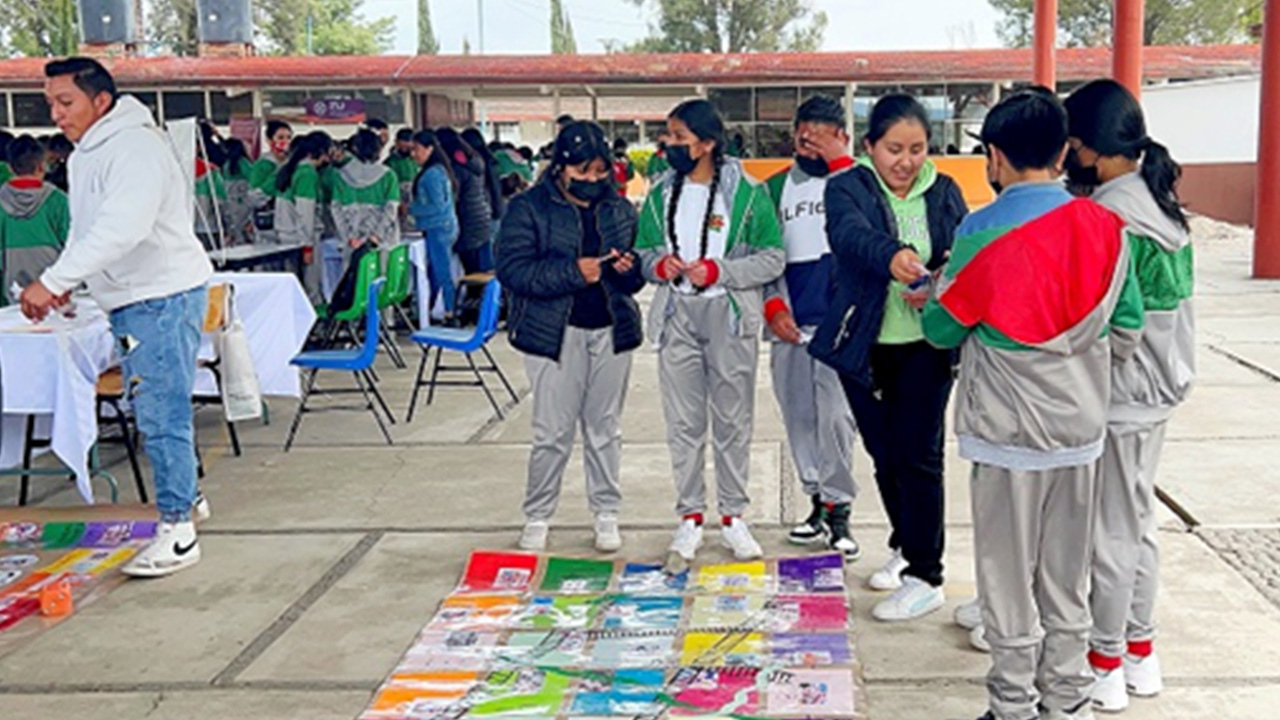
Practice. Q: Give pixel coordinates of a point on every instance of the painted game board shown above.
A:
(554, 638)
(38, 555)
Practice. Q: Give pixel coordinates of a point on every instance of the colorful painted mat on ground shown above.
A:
(540, 638)
(35, 556)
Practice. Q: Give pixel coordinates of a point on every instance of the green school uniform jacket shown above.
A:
(35, 218)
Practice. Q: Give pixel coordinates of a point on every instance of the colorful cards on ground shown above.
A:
(526, 637)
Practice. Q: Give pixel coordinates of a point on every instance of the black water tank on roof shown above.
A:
(106, 22)
(224, 21)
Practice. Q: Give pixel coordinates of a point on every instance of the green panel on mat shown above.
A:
(61, 535)
(576, 575)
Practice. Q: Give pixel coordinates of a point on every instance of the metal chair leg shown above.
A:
(480, 379)
(417, 384)
(369, 403)
(302, 408)
(388, 340)
(435, 374)
(235, 439)
(501, 375)
(24, 487)
(378, 396)
(130, 449)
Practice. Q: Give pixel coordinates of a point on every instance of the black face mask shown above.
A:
(813, 167)
(680, 159)
(1085, 178)
(592, 192)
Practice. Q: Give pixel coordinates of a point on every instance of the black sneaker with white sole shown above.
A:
(811, 531)
(837, 525)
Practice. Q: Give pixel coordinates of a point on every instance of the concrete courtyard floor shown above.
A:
(321, 564)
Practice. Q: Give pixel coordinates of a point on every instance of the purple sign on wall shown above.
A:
(334, 110)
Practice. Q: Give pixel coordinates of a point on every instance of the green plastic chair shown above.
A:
(345, 323)
(370, 269)
(394, 292)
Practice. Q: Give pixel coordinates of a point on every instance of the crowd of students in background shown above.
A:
(371, 187)
(1065, 322)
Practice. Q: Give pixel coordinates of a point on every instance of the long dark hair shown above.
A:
(891, 110)
(427, 138)
(236, 155)
(314, 146)
(493, 184)
(452, 143)
(578, 143)
(365, 145)
(1107, 118)
(704, 121)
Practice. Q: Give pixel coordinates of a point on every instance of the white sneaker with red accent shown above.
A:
(1109, 692)
(1142, 675)
(736, 536)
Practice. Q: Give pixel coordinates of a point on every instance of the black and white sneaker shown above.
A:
(811, 531)
(840, 539)
(175, 548)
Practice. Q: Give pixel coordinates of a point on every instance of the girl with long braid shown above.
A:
(709, 237)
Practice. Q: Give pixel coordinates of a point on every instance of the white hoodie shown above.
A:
(131, 233)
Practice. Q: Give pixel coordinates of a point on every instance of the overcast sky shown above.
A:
(523, 26)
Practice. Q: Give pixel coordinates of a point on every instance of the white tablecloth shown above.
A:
(53, 376)
(277, 319)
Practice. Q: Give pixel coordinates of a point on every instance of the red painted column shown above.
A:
(1266, 238)
(1046, 42)
(1126, 44)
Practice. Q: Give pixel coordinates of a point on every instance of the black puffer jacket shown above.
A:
(537, 255)
(475, 218)
(863, 233)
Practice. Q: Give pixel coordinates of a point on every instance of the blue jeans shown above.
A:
(159, 340)
(439, 249)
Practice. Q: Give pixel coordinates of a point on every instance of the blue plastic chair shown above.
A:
(357, 360)
(465, 341)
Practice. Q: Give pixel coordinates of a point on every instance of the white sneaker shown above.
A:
(889, 577)
(201, 511)
(1109, 693)
(174, 548)
(915, 599)
(978, 639)
(1142, 675)
(1083, 713)
(608, 539)
(687, 540)
(737, 537)
(968, 615)
(534, 536)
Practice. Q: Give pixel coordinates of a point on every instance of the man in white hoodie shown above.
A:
(132, 244)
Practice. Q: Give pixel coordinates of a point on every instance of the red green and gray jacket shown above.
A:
(365, 202)
(1159, 377)
(35, 218)
(754, 254)
(1040, 294)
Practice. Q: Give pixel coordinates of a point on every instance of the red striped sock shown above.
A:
(1140, 648)
(1102, 662)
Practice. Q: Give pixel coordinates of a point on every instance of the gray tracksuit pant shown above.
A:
(587, 387)
(702, 364)
(1033, 531)
(820, 426)
(1125, 555)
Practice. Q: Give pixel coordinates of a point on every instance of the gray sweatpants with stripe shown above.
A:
(586, 388)
(1033, 532)
(820, 425)
(1126, 558)
(702, 365)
